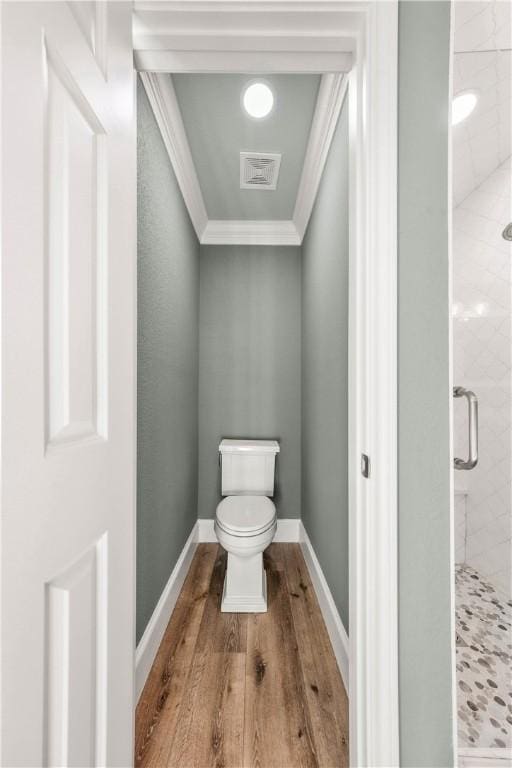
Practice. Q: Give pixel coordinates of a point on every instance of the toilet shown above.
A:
(246, 521)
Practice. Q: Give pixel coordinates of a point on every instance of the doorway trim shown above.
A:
(294, 36)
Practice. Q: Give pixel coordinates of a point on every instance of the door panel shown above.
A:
(76, 220)
(68, 383)
(76, 621)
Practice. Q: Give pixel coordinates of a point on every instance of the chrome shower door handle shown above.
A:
(472, 399)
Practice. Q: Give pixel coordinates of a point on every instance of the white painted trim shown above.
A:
(154, 632)
(250, 233)
(205, 532)
(232, 40)
(162, 98)
(226, 7)
(222, 37)
(337, 632)
(331, 94)
(288, 530)
(373, 551)
(250, 62)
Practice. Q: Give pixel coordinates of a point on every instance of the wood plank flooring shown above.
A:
(244, 690)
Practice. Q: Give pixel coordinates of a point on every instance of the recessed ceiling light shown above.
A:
(462, 106)
(258, 100)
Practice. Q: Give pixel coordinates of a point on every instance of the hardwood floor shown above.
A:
(244, 690)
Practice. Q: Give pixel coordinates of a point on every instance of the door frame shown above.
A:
(373, 397)
(368, 31)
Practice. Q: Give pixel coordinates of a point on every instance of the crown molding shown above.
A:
(331, 94)
(334, 7)
(164, 104)
(238, 40)
(261, 37)
(249, 62)
(250, 233)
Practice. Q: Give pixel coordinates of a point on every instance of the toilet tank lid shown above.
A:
(249, 446)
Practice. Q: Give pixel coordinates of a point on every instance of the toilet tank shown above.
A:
(248, 467)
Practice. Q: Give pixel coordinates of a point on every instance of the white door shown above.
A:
(68, 384)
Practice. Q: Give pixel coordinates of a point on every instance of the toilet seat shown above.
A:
(245, 515)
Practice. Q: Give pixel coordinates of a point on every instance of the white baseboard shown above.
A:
(288, 530)
(154, 632)
(473, 757)
(333, 622)
(205, 532)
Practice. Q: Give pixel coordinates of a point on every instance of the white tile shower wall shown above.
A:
(481, 26)
(482, 338)
(482, 141)
(482, 63)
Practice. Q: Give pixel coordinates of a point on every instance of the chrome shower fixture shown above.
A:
(507, 232)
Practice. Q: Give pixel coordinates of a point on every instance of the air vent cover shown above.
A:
(259, 170)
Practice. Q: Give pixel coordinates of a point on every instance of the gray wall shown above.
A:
(423, 381)
(325, 371)
(249, 382)
(168, 310)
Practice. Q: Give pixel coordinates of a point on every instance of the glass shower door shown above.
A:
(482, 260)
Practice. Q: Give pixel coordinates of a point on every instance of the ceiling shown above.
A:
(482, 62)
(218, 129)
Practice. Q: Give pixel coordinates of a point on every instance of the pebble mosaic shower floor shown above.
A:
(484, 662)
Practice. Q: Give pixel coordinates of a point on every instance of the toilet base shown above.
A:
(245, 585)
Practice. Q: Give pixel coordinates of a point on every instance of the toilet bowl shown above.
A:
(245, 521)
(245, 526)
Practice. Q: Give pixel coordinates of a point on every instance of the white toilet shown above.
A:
(245, 521)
